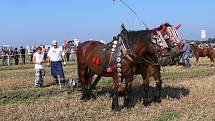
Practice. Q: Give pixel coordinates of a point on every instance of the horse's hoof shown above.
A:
(146, 103)
(93, 97)
(84, 98)
(157, 100)
(129, 103)
(116, 109)
(140, 99)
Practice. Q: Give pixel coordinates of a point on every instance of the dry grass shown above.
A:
(188, 94)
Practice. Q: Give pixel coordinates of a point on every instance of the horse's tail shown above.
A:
(78, 61)
(81, 64)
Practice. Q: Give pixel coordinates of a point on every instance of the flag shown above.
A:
(65, 44)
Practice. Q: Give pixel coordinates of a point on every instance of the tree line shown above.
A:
(210, 40)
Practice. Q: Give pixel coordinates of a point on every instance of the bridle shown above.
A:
(129, 53)
(158, 43)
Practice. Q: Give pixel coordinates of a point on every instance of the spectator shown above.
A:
(44, 52)
(30, 53)
(185, 56)
(16, 56)
(9, 57)
(67, 54)
(3, 54)
(22, 51)
(56, 57)
(73, 54)
(39, 69)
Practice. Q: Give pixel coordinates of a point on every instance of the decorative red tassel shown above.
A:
(110, 70)
(94, 59)
(178, 26)
(97, 61)
(163, 28)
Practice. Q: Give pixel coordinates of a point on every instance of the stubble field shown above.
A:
(187, 95)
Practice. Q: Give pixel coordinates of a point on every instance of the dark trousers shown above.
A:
(23, 59)
(57, 69)
(16, 59)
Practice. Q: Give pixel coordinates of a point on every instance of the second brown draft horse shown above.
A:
(92, 56)
(170, 56)
(203, 52)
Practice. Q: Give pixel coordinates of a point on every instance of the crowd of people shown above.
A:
(54, 56)
(7, 55)
(17, 56)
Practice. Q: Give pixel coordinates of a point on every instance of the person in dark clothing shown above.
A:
(67, 54)
(9, 57)
(30, 53)
(22, 51)
(16, 56)
(186, 53)
(44, 52)
(3, 54)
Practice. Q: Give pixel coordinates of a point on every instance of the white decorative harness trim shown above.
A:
(173, 35)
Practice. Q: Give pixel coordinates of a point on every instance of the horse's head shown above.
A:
(170, 34)
(171, 44)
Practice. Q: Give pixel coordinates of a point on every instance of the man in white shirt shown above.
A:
(56, 57)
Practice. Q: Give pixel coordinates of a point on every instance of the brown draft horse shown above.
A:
(203, 52)
(140, 43)
(148, 69)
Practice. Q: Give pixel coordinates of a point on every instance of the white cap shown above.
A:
(54, 42)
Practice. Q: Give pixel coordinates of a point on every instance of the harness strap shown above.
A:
(95, 82)
(103, 56)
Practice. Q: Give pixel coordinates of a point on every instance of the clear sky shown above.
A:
(28, 22)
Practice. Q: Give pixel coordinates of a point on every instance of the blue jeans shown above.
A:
(185, 60)
(39, 75)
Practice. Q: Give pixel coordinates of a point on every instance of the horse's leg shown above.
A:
(117, 89)
(212, 60)
(83, 73)
(158, 80)
(157, 97)
(197, 61)
(128, 101)
(145, 87)
(115, 103)
(89, 77)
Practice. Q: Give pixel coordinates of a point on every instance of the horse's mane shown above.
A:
(143, 35)
(161, 26)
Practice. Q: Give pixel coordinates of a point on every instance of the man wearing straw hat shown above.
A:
(56, 57)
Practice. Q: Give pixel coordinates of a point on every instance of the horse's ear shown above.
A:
(177, 26)
(123, 32)
(123, 28)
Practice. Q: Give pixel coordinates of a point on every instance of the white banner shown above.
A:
(203, 34)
